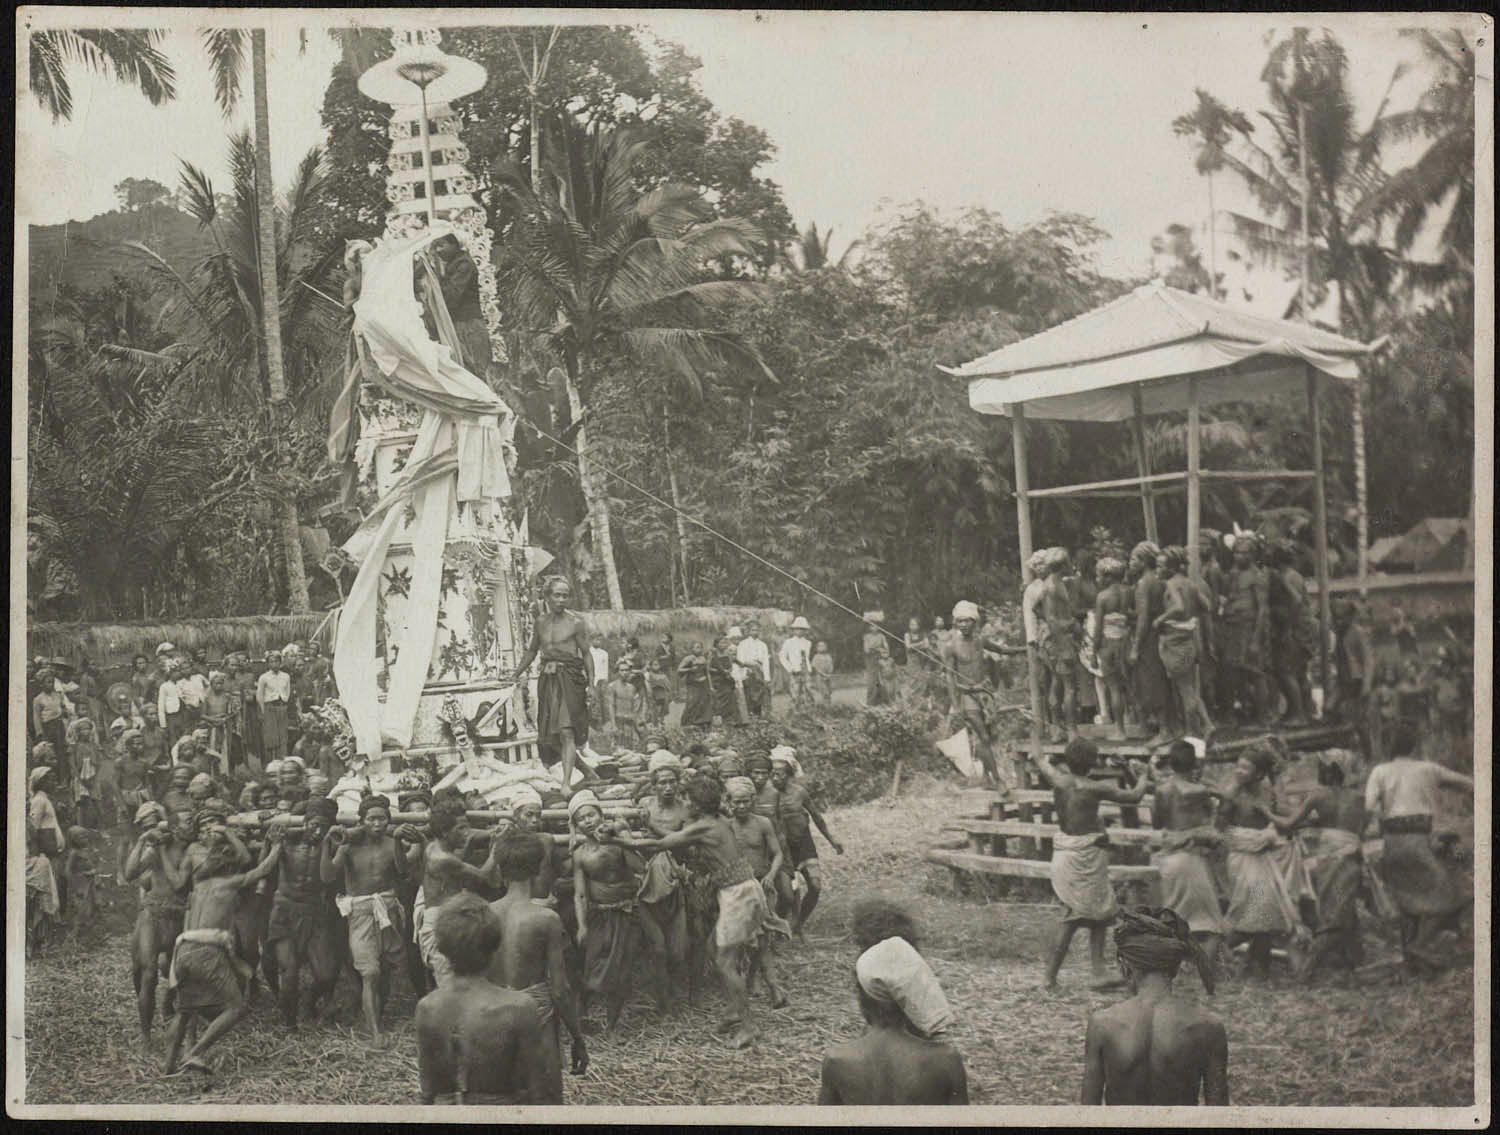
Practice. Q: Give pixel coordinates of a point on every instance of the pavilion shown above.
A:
(1158, 350)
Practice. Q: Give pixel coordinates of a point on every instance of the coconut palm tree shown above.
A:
(1213, 124)
(132, 55)
(1443, 176)
(812, 250)
(601, 271)
(226, 53)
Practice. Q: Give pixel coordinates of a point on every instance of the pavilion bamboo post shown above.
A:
(1194, 481)
(1143, 462)
(1023, 531)
(1320, 518)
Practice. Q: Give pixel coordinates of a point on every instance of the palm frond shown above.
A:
(227, 49)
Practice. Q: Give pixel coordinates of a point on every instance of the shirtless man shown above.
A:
(208, 976)
(663, 901)
(301, 930)
(1183, 808)
(761, 846)
(744, 915)
(1156, 1048)
(155, 862)
(1112, 618)
(1057, 645)
(530, 957)
(970, 697)
(1080, 856)
(794, 804)
(605, 899)
(1329, 824)
(368, 863)
(1244, 631)
(567, 675)
(478, 1043)
(1178, 643)
(444, 870)
(768, 804)
(901, 1058)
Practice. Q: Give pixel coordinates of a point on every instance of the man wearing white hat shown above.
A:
(796, 659)
(970, 698)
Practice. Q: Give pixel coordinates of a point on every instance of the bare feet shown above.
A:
(778, 999)
(743, 1037)
(727, 1025)
(196, 1064)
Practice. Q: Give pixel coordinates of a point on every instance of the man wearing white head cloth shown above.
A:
(970, 699)
(900, 1058)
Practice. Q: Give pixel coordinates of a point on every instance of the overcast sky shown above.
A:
(1018, 113)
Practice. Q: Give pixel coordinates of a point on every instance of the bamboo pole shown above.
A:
(1086, 487)
(1320, 518)
(1194, 481)
(1143, 462)
(1023, 532)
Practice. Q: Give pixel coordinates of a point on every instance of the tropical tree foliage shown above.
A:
(132, 55)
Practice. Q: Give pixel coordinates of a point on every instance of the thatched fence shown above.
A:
(112, 645)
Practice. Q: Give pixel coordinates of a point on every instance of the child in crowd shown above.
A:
(658, 693)
(822, 674)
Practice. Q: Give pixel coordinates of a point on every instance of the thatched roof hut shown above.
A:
(111, 645)
(114, 644)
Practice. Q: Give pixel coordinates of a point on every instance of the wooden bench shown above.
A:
(1027, 868)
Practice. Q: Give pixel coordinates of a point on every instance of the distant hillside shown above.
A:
(85, 254)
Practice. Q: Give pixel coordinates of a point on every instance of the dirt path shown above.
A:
(1390, 1044)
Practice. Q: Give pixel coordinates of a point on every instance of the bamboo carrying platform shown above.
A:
(1013, 837)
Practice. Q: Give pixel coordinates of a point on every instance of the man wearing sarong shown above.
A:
(530, 957)
(971, 699)
(208, 977)
(902, 1057)
(444, 871)
(1328, 825)
(1404, 795)
(1057, 645)
(754, 658)
(1294, 631)
(367, 864)
(605, 896)
(1184, 811)
(1156, 1048)
(1211, 580)
(567, 675)
(1178, 644)
(1112, 623)
(798, 814)
(663, 893)
(301, 932)
(1266, 874)
(273, 695)
(708, 842)
(478, 1043)
(1244, 631)
(156, 863)
(1150, 678)
(1080, 850)
(795, 657)
(1354, 665)
(761, 845)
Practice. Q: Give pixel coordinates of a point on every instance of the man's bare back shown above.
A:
(481, 1038)
(528, 937)
(887, 1066)
(1166, 1052)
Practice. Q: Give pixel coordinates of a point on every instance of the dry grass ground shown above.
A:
(1384, 1042)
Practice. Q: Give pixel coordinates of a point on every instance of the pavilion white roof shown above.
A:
(1084, 369)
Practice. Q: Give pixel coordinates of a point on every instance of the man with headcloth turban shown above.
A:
(368, 863)
(1156, 1048)
(157, 864)
(1244, 630)
(761, 845)
(302, 932)
(970, 698)
(605, 894)
(1057, 645)
(1267, 876)
(1179, 629)
(1112, 620)
(208, 976)
(1148, 675)
(902, 1057)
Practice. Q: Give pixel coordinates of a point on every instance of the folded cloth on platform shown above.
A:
(893, 971)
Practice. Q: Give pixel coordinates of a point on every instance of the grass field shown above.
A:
(1383, 1042)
